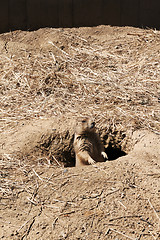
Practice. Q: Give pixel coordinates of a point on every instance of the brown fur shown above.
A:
(87, 144)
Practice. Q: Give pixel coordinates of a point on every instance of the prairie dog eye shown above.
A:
(83, 121)
(92, 124)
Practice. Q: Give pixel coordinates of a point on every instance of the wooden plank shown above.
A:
(130, 12)
(4, 26)
(111, 12)
(17, 14)
(65, 13)
(86, 12)
(150, 13)
(42, 13)
(33, 14)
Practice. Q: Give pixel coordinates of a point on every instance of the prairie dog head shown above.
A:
(85, 125)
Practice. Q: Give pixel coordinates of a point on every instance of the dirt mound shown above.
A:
(105, 201)
(52, 140)
(49, 78)
(48, 140)
(114, 199)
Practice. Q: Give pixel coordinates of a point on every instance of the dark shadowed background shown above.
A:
(34, 14)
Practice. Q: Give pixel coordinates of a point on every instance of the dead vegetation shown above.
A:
(50, 77)
(109, 73)
(102, 201)
(113, 76)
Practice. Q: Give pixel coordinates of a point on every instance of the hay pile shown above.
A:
(110, 73)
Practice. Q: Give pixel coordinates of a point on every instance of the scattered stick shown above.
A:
(146, 221)
(122, 204)
(157, 175)
(112, 192)
(122, 234)
(50, 206)
(66, 213)
(23, 225)
(54, 223)
(154, 211)
(58, 48)
(37, 175)
(56, 161)
(32, 201)
(132, 216)
(29, 229)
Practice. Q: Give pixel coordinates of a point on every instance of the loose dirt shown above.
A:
(48, 79)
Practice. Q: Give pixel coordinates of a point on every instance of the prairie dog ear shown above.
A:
(80, 121)
(77, 126)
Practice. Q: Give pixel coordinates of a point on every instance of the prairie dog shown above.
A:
(87, 144)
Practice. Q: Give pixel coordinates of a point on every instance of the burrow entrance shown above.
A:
(115, 143)
(113, 152)
(59, 147)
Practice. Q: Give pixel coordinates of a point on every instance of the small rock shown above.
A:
(65, 171)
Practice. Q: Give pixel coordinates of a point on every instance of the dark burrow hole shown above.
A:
(69, 159)
(112, 152)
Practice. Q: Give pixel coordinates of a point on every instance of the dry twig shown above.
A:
(127, 237)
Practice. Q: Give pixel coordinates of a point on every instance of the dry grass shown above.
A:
(54, 72)
(115, 80)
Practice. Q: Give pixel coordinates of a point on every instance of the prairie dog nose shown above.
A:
(92, 124)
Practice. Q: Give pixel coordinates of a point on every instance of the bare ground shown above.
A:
(50, 77)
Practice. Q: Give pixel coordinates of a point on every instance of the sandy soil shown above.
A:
(50, 77)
